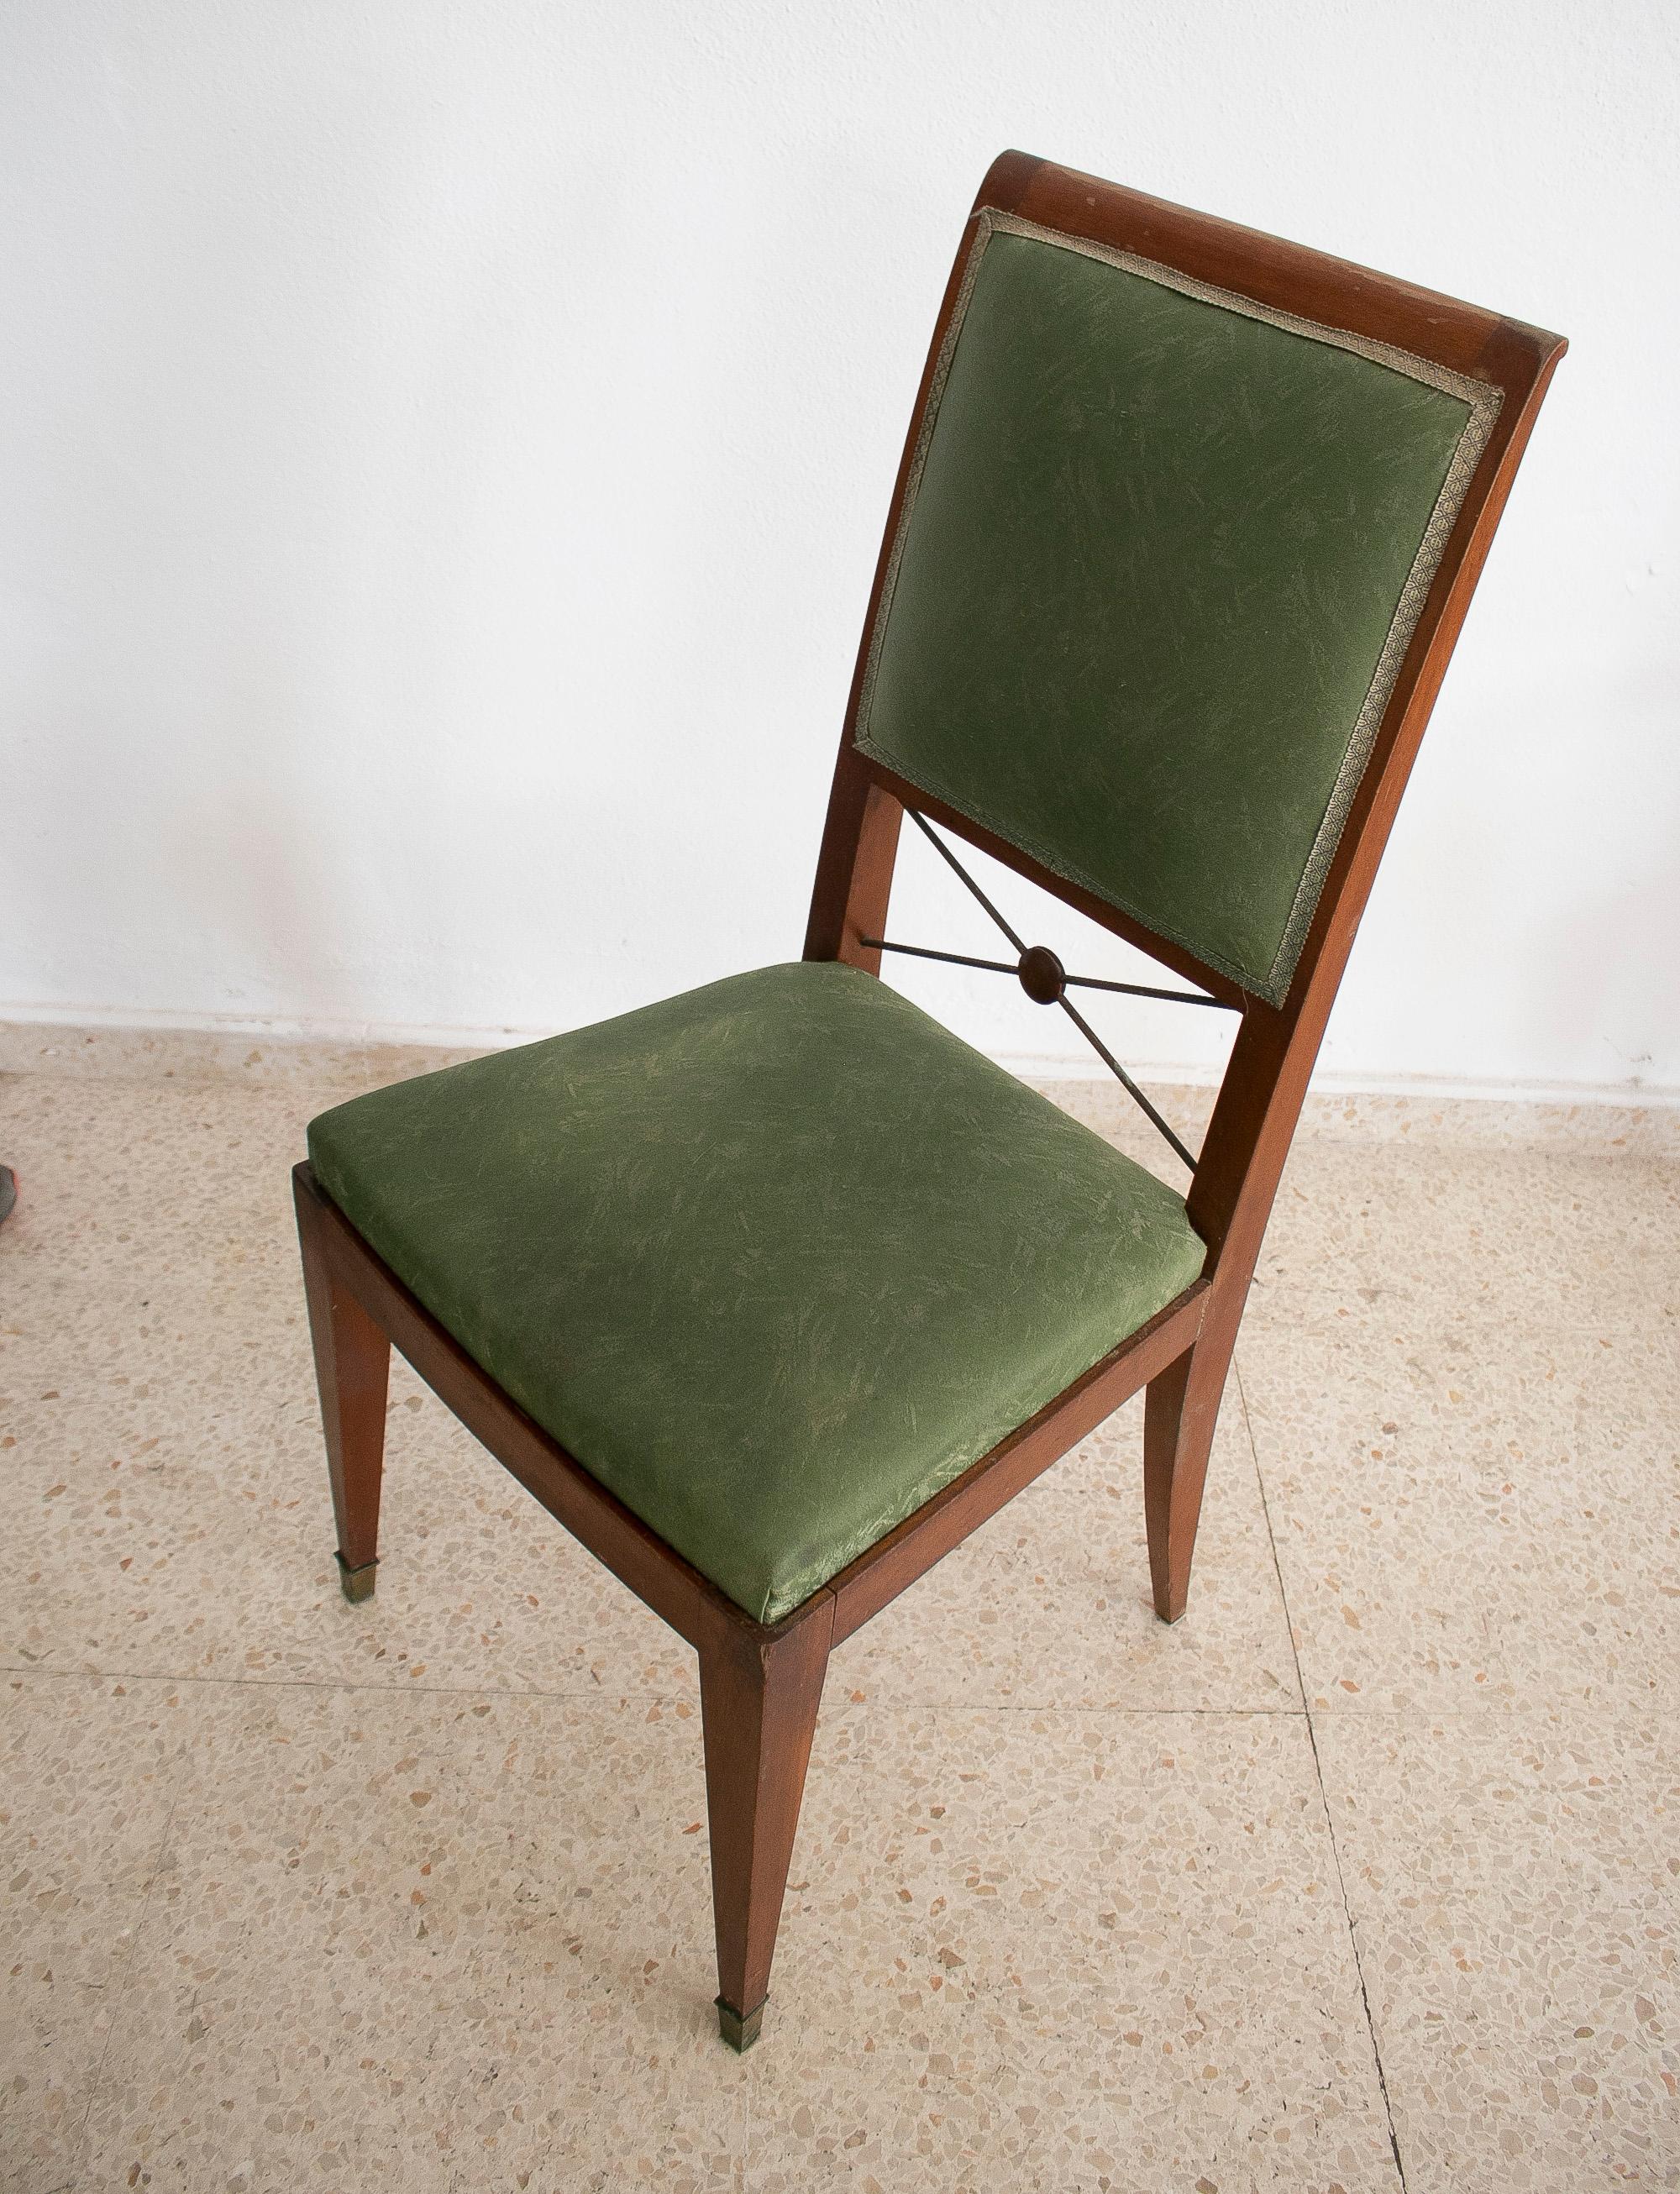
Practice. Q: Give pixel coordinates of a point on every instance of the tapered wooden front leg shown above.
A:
(1181, 1408)
(759, 1708)
(352, 1369)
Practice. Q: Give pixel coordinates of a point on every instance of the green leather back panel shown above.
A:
(1162, 555)
(775, 1261)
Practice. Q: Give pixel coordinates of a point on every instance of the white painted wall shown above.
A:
(443, 442)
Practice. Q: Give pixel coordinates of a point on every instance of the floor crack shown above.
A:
(117, 1993)
(1323, 1796)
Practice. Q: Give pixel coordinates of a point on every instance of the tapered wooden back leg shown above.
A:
(352, 1367)
(1181, 1408)
(759, 1708)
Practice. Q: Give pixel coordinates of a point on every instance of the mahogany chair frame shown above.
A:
(761, 1684)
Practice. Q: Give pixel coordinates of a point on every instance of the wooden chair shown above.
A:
(773, 1293)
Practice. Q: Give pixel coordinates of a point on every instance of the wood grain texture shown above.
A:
(758, 1707)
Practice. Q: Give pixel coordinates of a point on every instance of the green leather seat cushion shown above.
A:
(774, 1261)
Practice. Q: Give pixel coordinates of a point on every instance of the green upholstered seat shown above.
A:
(774, 1261)
(1162, 554)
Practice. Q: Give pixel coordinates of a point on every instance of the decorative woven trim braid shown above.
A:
(1483, 401)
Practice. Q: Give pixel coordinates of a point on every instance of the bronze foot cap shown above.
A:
(740, 2029)
(357, 1584)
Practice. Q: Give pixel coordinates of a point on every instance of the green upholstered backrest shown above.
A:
(1161, 552)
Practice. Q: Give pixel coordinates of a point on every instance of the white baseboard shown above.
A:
(1335, 1082)
(124, 1040)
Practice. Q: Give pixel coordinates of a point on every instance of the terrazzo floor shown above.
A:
(1367, 1877)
